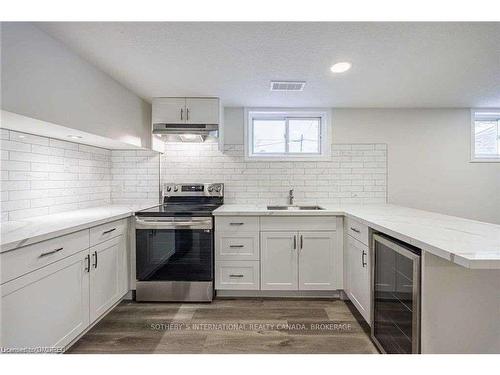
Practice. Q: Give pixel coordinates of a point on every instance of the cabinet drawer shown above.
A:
(236, 224)
(26, 259)
(240, 246)
(357, 230)
(298, 223)
(107, 231)
(237, 275)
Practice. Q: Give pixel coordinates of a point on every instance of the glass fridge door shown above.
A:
(396, 295)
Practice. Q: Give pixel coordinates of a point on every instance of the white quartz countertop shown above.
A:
(469, 243)
(16, 234)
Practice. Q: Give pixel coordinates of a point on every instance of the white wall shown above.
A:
(428, 157)
(43, 79)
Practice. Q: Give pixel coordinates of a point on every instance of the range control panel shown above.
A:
(193, 190)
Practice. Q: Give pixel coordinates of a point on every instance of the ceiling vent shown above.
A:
(287, 85)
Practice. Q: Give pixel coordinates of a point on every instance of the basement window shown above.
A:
(287, 134)
(485, 135)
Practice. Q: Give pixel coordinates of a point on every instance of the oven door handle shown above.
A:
(152, 224)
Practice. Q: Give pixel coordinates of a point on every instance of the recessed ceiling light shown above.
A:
(21, 136)
(74, 136)
(341, 67)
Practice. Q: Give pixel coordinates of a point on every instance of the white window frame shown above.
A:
(325, 143)
(473, 157)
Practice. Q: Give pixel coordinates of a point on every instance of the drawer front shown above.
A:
(107, 231)
(26, 259)
(357, 230)
(237, 224)
(241, 275)
(298, 223)
(243, 246)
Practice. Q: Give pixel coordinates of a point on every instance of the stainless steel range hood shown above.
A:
(186, 132)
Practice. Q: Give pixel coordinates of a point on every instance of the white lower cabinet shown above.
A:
(243, 275)
(108, 280)
(271, 253)
(298, 260)
(317, 259)
(51, 306)
(47, 308)
(279, 265)
(358, 276)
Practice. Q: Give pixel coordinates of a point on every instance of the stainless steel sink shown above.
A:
(292, 208)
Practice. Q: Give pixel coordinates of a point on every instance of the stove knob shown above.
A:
(169, 188)
(217, 188)
(176, 188)
(210, 189)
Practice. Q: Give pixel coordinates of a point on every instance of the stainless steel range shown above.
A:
(175, 244)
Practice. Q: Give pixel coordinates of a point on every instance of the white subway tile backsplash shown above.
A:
(350, 176)
(42, 175)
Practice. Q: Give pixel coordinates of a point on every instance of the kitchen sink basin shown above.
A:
(294, 208)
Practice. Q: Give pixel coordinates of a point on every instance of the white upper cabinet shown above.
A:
(168, 110)
(202, 111)
(186, 111)
(317, 260)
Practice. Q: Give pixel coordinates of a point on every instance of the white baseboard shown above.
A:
(333, 294)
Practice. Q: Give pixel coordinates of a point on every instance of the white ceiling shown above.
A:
(394, 64)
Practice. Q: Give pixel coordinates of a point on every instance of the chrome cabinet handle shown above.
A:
(109, 231)
(87, 263)
(95, 259)
(187, 114)
(363, 263)
(236, 246)
(182, 111)
(239, 275)
(355, 230)
(236, 223)
(51, 252)
(294, 242)
(301, 242)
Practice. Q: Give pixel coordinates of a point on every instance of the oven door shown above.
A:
(174, 249)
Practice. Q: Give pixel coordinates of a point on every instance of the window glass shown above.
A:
(304, 135)
(486, 138)
(269, 136)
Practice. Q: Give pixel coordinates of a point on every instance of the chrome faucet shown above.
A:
(290, 197)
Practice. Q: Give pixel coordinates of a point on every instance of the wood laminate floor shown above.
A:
(230, 326)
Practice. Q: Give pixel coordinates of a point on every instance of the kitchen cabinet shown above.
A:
(47, 308)
(186, 111)
(108, 282)
(279, 263)
(237, 275)
(202, 110)
(237, 253)
(59, 287)
(358, 276)
(316, 251)
(298, 260)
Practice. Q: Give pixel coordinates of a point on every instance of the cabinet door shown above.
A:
(279, 267)
(202, 110)
(169, 110)
(317, 268)
(48, 307)
(106, 277)
(358, 268)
